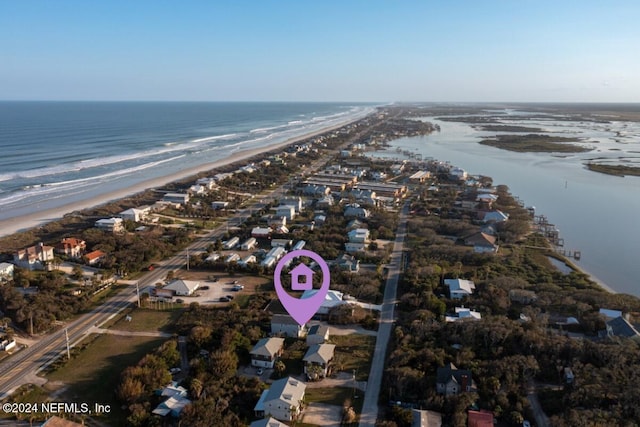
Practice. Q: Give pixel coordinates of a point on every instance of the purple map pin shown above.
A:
(302, 309)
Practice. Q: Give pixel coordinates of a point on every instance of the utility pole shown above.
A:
(138, 293)
(66, 334)
(187, 259)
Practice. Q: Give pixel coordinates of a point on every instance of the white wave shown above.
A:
(261, 130)
(213, 138)
(295, 122)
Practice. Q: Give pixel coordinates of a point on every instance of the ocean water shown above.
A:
(54, 153)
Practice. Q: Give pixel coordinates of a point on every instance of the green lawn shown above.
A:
(146, 320)
(354, 351)
(93, 374)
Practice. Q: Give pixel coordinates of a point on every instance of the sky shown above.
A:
(346, 50)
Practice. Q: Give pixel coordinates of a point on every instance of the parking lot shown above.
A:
(214, 286)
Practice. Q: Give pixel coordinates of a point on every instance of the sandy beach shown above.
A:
(26, 222)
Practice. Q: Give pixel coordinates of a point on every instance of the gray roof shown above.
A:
(619, 327)
(318, 330)
(288, 390)
(283, 319)
(450, 370)
(268, 347)
(320, 353)
(268, 422)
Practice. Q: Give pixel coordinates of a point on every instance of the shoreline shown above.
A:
(37, 219)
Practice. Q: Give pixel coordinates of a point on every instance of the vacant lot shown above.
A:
(147, 320)
(354, 352)
(94, 373)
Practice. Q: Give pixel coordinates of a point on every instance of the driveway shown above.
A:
(324, 415)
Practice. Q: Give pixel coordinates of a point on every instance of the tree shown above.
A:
(77, 272)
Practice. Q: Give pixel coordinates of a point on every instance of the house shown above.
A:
(71, 247)
(286, 211)
(458, 174)
(495, 217)
(459, 288)
(318, 334)
(315, 190)
(325, 202)
(219, 204)
(198, 190)
(283, 400)
(610, 314)
(268, 262)
(351, 247)
(331, 300)
(110, 225)
(482, 243)
(266, 351)
(249, 259)
(450, 380)
(397, 169)
(172, 390)
(135, 214)
(354, 224)
(249, 244)
(318, 356)
(6, 271)
(284, 325)
(348, 263)
(213, 257)
(422, 418)
(301, 278)
(177, 198)
(268, 422)
(94, 257)
(300, 244)
(296, 202)
(181, 287)
(420, 176)
(34, 257)
(7, 344)
(355, 211)
(231, 243)
(358, 235)
(208, 183)
(620, 327)
(463, 313)
(172, 406)
(233, 257)
(276, 221)
(319, 219)
(281, 243)
(260, 232)
(479, 418)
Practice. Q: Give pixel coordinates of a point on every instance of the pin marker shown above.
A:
(302, 309)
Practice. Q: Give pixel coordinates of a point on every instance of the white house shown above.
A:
(286, 211)
(283, 324)
(283, 400)
(233, 257)
(249, 259)
(459, 288)
(266, 351)
(182, 287)
(231, 243)
(33, 257)
(261, 232)
(296, 202)
(71, 247)
(281, 243)
(208, 183)
(198, 189)
(351, 247)
(249, 244)
(320, 356)
(495, 216)
(332, 299)
(359, 235)
(111, 225)
(135, 214)
(463, 313)
(177, 198)
(219, 204)
(6, 271)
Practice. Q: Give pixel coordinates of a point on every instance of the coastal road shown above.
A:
(372, 394)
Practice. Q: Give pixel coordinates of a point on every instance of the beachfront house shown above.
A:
(283, 400)
(110, 225)
(135, 214)
(34, 257)
(71, 247)
(266, 351)
(176, 198)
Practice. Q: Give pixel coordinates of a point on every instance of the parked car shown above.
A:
(237, 288)
(235, 282)
(224, 299)
(204, 288)
(229, 297)
(180, 301)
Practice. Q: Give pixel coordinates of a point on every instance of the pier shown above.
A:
(552, 234)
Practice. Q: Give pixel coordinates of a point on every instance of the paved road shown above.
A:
(370, 407)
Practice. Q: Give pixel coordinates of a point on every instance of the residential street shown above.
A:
(370, 407)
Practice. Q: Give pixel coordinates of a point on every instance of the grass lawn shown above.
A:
(146, 320)
(354, 351)
(94, 373)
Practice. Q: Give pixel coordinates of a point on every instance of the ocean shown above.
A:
(54, 153)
